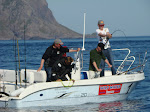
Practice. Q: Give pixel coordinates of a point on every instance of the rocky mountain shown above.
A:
(32, 16)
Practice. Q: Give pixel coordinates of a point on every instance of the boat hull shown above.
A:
(75, 95)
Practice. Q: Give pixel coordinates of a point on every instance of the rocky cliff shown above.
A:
(32, 16)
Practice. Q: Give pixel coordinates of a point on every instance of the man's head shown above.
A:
(68, 60)
(58, 43)
(101, 24)
(100, 47)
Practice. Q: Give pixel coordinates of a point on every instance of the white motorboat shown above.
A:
(18, 91)
(37, 92)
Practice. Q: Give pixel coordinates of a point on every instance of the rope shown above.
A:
(69, 83)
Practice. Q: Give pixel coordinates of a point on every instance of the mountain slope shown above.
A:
(32, 15)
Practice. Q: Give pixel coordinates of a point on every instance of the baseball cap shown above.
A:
(58, 41)
(101, 22)
(101, 45)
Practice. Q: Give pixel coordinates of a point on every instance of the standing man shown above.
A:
(103, 37)
(53, 53)
(96, 56)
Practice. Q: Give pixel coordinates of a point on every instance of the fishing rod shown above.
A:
(16, 74)
(132, 68)
(15, 48)
(16, 65)
(0, 81)
(19, 61)
(25, 56)
(144, 60)
(107, 39)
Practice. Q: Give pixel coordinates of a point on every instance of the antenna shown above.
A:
(84, 33)
(83, 49)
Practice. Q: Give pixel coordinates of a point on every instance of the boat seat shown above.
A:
(10, 76)
(108, 73)
(34, 76)
(85, 74)
(7, 75)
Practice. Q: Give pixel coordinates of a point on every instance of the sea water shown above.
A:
(32, 51)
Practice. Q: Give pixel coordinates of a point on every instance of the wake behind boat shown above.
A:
(38, 92)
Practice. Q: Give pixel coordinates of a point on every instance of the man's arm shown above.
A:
(108, 35)
(92, 59)
(98, 69)
(109, 65)
(71, 50)
(41, 65)
(105, 35)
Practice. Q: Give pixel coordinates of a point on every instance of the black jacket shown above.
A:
(54, 54)
(60, 68)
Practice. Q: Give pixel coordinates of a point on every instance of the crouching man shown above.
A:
(95, 58)
(61, 68)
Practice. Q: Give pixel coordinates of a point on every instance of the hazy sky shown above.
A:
(130, 16)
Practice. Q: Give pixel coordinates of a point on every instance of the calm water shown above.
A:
(139, 99)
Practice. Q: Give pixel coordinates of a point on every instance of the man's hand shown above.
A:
(73, 80)
(41, 65)
(58, 80)
(99, 70)
(40, 68)
(78, 49)
(110, 66)
(108, 35)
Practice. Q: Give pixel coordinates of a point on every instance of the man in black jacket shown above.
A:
(53, 53)
(61, 68)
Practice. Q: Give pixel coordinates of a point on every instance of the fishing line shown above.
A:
(120, 31)
(115, 32)
(129, 46)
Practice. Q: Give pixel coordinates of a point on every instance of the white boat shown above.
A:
(14, 92)
(38, 92)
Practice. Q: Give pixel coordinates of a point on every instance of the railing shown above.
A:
(79, 56)
(125, 60)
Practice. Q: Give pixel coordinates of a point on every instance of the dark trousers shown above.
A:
(108, 54)
(49, 74)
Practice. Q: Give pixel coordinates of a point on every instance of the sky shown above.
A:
(130, 16)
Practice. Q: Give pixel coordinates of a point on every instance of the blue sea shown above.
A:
(32, 51)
